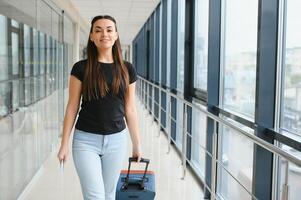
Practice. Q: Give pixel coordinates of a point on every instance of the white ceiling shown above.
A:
(130, 15)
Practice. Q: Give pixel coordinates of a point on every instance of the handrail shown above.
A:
(268, 146)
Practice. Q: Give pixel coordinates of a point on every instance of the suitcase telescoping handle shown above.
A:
(131, 159)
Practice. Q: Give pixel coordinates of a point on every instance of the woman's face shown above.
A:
(103, 34)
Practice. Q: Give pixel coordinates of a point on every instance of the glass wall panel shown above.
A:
(290, 118)
(27, 92)
(236, 156)
(27, 49)
(35, 52)
(27, 64)
(239, 37)
(291, 97)
(238, 77)
(48, 65)
(14, 23)
(16, 96)
(42, 48)
(179, 123)
(5, 91)
(48, 54)
(201, 44)
(3, 49)
(15, 53)
(42, 87)
(181, 45)
(198, 144)
(36, 61)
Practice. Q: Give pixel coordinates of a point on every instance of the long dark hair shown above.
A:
(94, 83)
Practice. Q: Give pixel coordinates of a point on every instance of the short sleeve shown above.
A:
(132, 72)
(78, 70)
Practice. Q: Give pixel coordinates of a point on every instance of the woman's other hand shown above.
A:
(63, 153)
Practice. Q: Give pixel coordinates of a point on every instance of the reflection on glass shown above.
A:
(290, 120)
(30, 132)
(239, 56)
(291, 106)
(42, 53)
(201, 44)
(48, 49)
(199, 121)
(236, 156)
(181, 46)
(15, 23)
(3, 49)
(35, 52)
(42, 86)
(238, 65)
(27, 91)
(4, 98)
(16, 91)
(179, 123)
(26, 50)
(37, 88)
(15, 53)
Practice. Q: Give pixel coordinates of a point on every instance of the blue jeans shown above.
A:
(98, 160)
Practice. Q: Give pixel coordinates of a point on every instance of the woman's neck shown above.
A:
(105, 56)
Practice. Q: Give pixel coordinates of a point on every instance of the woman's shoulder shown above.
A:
(78, 69)
(81, 63)
(128, 64)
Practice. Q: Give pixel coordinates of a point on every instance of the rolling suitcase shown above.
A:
(136, 184)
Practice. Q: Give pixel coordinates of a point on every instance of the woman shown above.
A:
(106, 84)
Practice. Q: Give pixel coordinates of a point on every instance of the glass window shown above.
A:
(290, 118)
(14, 23)
(35, 52)
(236, 156)
(291, 95)
(198, 141)
(3, 49)
(179, 122)
(181, 47)
(53, 64)
(42, 87)
(33, 90)
(42, 48)
(16, 96)
(48, 84)
(26, 50)
(239, 22)
(239, 49)
(48, 50)
(37, 89)
(201, 44)
(4, 98)
(27, 91)
(48, 65)
(15, 53)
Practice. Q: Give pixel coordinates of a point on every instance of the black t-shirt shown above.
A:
(105, 115)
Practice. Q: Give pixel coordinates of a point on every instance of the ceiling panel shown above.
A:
(129, 14)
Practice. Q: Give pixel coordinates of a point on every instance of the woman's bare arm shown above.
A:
(75, 87)
(132, 119)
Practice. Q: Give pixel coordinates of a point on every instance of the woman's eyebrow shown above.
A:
(102, 28)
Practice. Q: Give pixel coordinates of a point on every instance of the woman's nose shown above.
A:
(104, 33)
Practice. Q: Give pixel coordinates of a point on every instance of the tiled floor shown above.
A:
(51, 184)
